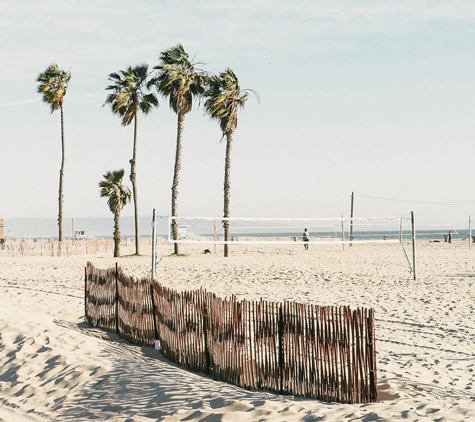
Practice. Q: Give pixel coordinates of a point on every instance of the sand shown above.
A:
(55, 368)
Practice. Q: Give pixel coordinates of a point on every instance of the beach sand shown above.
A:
(55, 368)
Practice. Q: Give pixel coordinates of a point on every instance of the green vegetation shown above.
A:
(177, 79)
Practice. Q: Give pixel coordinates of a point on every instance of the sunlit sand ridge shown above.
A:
(55, 368)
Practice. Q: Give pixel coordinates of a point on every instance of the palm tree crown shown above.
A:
(113, 188)
(178, 79)
(224, 98)
(53, 84)
(128, 95)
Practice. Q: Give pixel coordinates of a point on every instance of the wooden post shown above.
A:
(155, 329)
(372, 358)
(413, 245)
(205, 335)
(116, 298)
(215, 236)
(281, 350)
(85, 293)
(469, 232)
(343, 232)
(351, 218)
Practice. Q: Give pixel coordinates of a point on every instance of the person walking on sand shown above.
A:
(306, 239)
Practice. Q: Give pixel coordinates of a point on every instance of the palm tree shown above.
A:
(224, 98)
(126, 99)
(178, 80)
(53, 84)
(118, 196)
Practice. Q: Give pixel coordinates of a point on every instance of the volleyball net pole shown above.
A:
(413, 233)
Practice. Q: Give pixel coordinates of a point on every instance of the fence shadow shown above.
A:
(143, 383)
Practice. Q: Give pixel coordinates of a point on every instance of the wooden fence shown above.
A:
(40, 247)
(322, 352)
(68, 247)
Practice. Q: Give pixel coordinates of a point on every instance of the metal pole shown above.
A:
(413, 245)
(154, 260)
(351, 218)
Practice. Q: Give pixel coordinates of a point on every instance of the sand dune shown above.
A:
(55, 368)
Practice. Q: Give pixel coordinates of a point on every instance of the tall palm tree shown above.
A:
(53, 84)
(126, 99)
(118, 196)
(224, 98)
(178, 80)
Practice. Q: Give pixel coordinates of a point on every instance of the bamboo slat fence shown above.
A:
(43, 247)
(322, 352)
(56, 248)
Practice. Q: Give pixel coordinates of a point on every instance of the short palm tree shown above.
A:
(118, 196)
(224, 98)
(53, 84)
(178, 80)
(126, 100)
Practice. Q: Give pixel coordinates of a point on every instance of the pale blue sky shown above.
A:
(375, 97)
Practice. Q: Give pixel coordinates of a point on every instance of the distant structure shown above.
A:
(80, 234)
(2, 232)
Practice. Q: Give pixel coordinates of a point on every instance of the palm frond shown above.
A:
(178, 80)
(112, 188)
(224, 98)
(53, 84)
(128, 94)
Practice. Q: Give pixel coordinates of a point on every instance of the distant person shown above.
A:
(449, 236)
(306, 239)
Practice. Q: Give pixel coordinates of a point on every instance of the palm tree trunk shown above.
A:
(117, 233)
(227, 189)
(176, 178)
(61, 177)
(133, 179)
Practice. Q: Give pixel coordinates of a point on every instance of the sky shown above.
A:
(371, 97)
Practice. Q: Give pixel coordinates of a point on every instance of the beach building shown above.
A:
(80, 234)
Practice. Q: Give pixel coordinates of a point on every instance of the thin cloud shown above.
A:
(20, 102)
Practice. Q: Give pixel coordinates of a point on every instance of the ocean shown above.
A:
(103, 227)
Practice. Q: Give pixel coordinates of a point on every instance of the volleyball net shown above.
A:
(286, 230)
